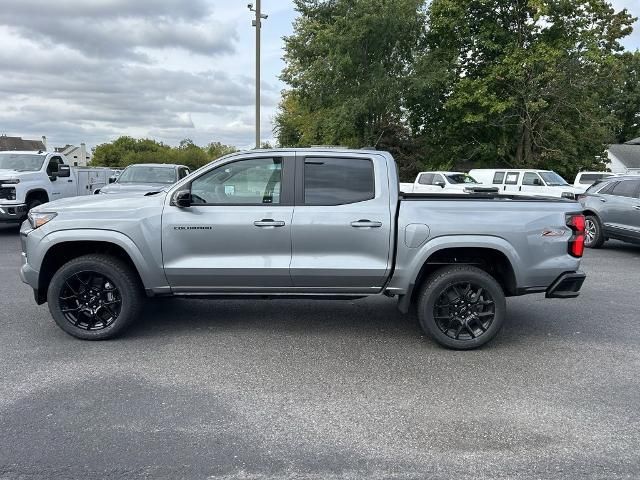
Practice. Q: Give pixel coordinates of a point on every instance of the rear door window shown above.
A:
(498, 178)
(338, 181)
(627, 188)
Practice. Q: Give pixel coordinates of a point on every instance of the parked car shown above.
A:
(585, 179)
(612, 210)
(440, 182)
(314, 223)
(145, 177)
(29, 179)
(544, 183)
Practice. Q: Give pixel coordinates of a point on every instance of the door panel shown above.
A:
(211, 247)
(236, 235)
(342, 247)
(621, 209)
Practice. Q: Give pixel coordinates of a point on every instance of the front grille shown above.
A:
(7, 193)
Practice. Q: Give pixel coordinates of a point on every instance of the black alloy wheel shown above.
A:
(90, 300)
(464, 311)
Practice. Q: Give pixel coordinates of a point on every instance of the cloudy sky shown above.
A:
(91, 70)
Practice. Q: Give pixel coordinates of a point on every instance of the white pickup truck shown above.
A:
(29, 179)
(441, 182)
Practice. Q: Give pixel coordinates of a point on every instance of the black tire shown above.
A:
(594, 236)
(95, 297)
(470, 317)
(33, 204)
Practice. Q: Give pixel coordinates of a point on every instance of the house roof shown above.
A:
(17, 143)
(628, 154)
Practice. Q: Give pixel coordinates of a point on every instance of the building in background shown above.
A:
(77, 156)
(18, 144)
(625, 158)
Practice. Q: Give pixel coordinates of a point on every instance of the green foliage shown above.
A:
(128, 151)
(526, 83)
(348, 62)
(624, 99)
(518, 83)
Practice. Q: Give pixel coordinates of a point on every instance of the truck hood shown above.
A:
(133, 188)
(101, 205)
(6, 174)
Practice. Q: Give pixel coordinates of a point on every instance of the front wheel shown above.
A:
(461, 307)
(94, 297)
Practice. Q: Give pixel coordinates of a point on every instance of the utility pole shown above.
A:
(258, 24)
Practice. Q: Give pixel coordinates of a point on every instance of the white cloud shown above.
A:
(78, 70)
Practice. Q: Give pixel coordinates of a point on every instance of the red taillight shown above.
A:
(576, 242)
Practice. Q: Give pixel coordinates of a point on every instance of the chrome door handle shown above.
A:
(637, 207)
(366, 224)
(603, 200)
(268, 222)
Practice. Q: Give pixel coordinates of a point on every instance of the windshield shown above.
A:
(461, 178)
(552, 179)
(147, 174)
(21, 162)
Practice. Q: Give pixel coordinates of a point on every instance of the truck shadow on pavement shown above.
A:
(372, 317)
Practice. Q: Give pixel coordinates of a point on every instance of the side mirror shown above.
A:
(64, 171)
(182, 199)
(439, 184)
(112, 179)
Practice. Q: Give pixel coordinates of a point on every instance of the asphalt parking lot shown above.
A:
(322, 390)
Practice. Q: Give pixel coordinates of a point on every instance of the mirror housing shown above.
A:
(182, 199)
(64, 171)
(439, 184)
(112, 179)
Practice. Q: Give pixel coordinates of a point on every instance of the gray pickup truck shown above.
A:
(319, 223)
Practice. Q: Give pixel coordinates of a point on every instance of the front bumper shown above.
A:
(12, 213)
(567, 285)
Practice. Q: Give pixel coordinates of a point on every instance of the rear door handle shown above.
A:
(366, 224)
(637, 207)
(268, 222)
(603, 200)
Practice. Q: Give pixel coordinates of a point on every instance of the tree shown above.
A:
(624, 99)
(517, 83)
(347, 65)
(128, 151)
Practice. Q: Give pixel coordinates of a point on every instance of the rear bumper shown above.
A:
(567, 285)
(12, 212)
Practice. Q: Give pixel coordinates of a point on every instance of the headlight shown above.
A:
(569, 195)
(38, 219)
(11, 181)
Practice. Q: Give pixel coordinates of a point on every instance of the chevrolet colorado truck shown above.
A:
(318, 223)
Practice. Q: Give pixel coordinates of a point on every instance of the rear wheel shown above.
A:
(593, 235)
(461, 307)
(94, 297)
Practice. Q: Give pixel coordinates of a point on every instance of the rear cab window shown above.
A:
(338, 181)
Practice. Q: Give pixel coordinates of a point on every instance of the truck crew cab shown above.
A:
(321, 223)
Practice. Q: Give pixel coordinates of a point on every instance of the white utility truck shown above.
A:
(29, 179)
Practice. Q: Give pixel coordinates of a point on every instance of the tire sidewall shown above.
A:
(442, 280)
(129, 301)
